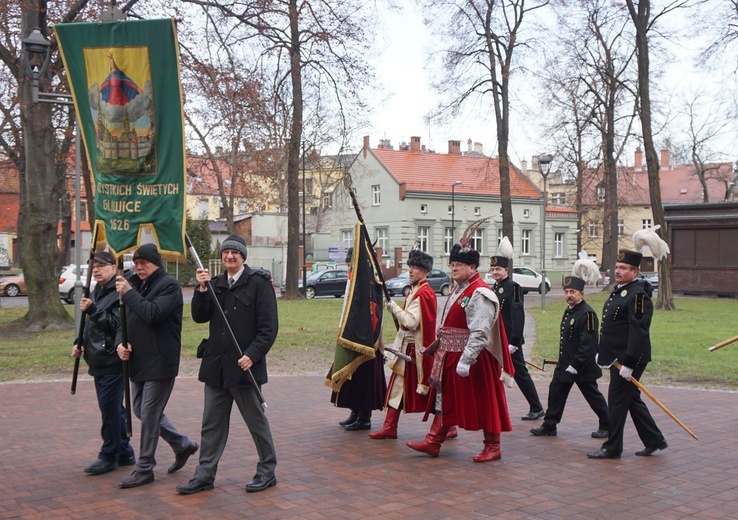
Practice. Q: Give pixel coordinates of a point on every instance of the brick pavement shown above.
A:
(48, 436)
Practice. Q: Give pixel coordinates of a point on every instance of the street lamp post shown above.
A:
(544, 166)
(37, 45)
(304, 242)
(453, 210)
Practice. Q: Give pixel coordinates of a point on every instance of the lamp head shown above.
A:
(36, 45)
(544, 164)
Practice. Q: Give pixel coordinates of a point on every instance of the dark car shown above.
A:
(329, 282)
(438, 280)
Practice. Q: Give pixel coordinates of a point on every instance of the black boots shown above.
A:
(363, 421)
(350, 419)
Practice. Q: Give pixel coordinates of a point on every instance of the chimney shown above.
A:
(469, 145)
(639, 159)
(478, 148)
(454, 147)
(414, 143)
(366, 145)
(664, 158)
(524, 166)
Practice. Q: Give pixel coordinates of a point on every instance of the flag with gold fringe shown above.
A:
(125, 82)
(360, 331)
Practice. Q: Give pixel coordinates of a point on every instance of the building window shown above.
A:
(499, 237)
(476, 240)
(383, 240)
(526, 213)
(424, 208)
(328, 200)
(594, 229)
(423, 234)
(307, 187)
(621, 228)
(601, 194)
(450, 209)
(347, 237)
(448, 241)
(558, 245)
(376, 195)
(558, 198)
(646, 223)
(477, 211)
(203, 209)
(525, 242)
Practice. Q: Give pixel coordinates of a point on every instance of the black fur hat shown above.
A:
(465, 255)
(420, 260)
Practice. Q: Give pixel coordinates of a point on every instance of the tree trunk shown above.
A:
(641, 21)
(40, 251)
(293, 158)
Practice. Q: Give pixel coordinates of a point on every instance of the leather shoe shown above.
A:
(137, 479)
(129, 461)
(543, 431)
(180, 459)
(601, 434)
(532, 416)
(649, 451)
(260, 483)
(194, 486)
(359, 425)
(100, 466)
(603, 453)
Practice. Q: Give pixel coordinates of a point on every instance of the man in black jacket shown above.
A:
(153, 304)
(101, 325)
(625, 337)
(247, 297)
(577, 350)
(512, 311)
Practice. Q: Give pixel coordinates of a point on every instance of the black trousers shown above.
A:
(624, 397)
(524, 381)
(558, 392)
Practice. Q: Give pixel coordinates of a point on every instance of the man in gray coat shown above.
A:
(247, 297)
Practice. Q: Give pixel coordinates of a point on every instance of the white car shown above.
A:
(527, 278)
(69, 275)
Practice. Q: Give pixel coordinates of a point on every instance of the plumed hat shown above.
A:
(236, 243)
(462, 251)
(150, 253)
(420, 259)
(504, 254)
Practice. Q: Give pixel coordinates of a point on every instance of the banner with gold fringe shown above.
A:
(125, 81)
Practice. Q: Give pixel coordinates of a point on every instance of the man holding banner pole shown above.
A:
(153, 302)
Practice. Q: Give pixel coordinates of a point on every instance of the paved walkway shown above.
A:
(48, 436)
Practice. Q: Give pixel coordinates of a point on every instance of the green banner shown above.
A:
(125, 81)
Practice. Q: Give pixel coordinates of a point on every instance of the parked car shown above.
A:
(653, 279)
(527, 278)
(67, 278)
(438, 280)
(329, 282)
(13, 285)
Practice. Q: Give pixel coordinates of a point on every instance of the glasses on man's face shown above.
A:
(456, 265)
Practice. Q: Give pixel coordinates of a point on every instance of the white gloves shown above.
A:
(462, 369)
(391, 305)
(571, 370)
(626, 372)
(512, 349)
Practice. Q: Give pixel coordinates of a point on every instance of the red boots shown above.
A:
(433, 439)
(389, 429)
(491, 449)
(452, 433)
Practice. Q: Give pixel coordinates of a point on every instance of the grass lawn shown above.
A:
(308, 328)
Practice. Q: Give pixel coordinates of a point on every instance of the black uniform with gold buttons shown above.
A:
(577, 348)
(512, 311)
(625, 336)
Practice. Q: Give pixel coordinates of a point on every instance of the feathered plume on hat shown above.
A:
(419, 258)
(504, 254)
(649, 238)
(585, 268)
(462, 251)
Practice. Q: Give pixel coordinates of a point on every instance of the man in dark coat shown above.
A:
(577, 350)
(153, 304)
(247, 297)
(512, 310)
(101, 325)
(625, 337)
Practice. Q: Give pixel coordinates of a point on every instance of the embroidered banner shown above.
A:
(124, 77)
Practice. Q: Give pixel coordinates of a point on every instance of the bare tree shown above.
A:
(643, 21)
(301, 43)
(481, 37)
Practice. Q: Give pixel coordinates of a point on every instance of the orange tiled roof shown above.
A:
(435, 173)
(9, 209)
